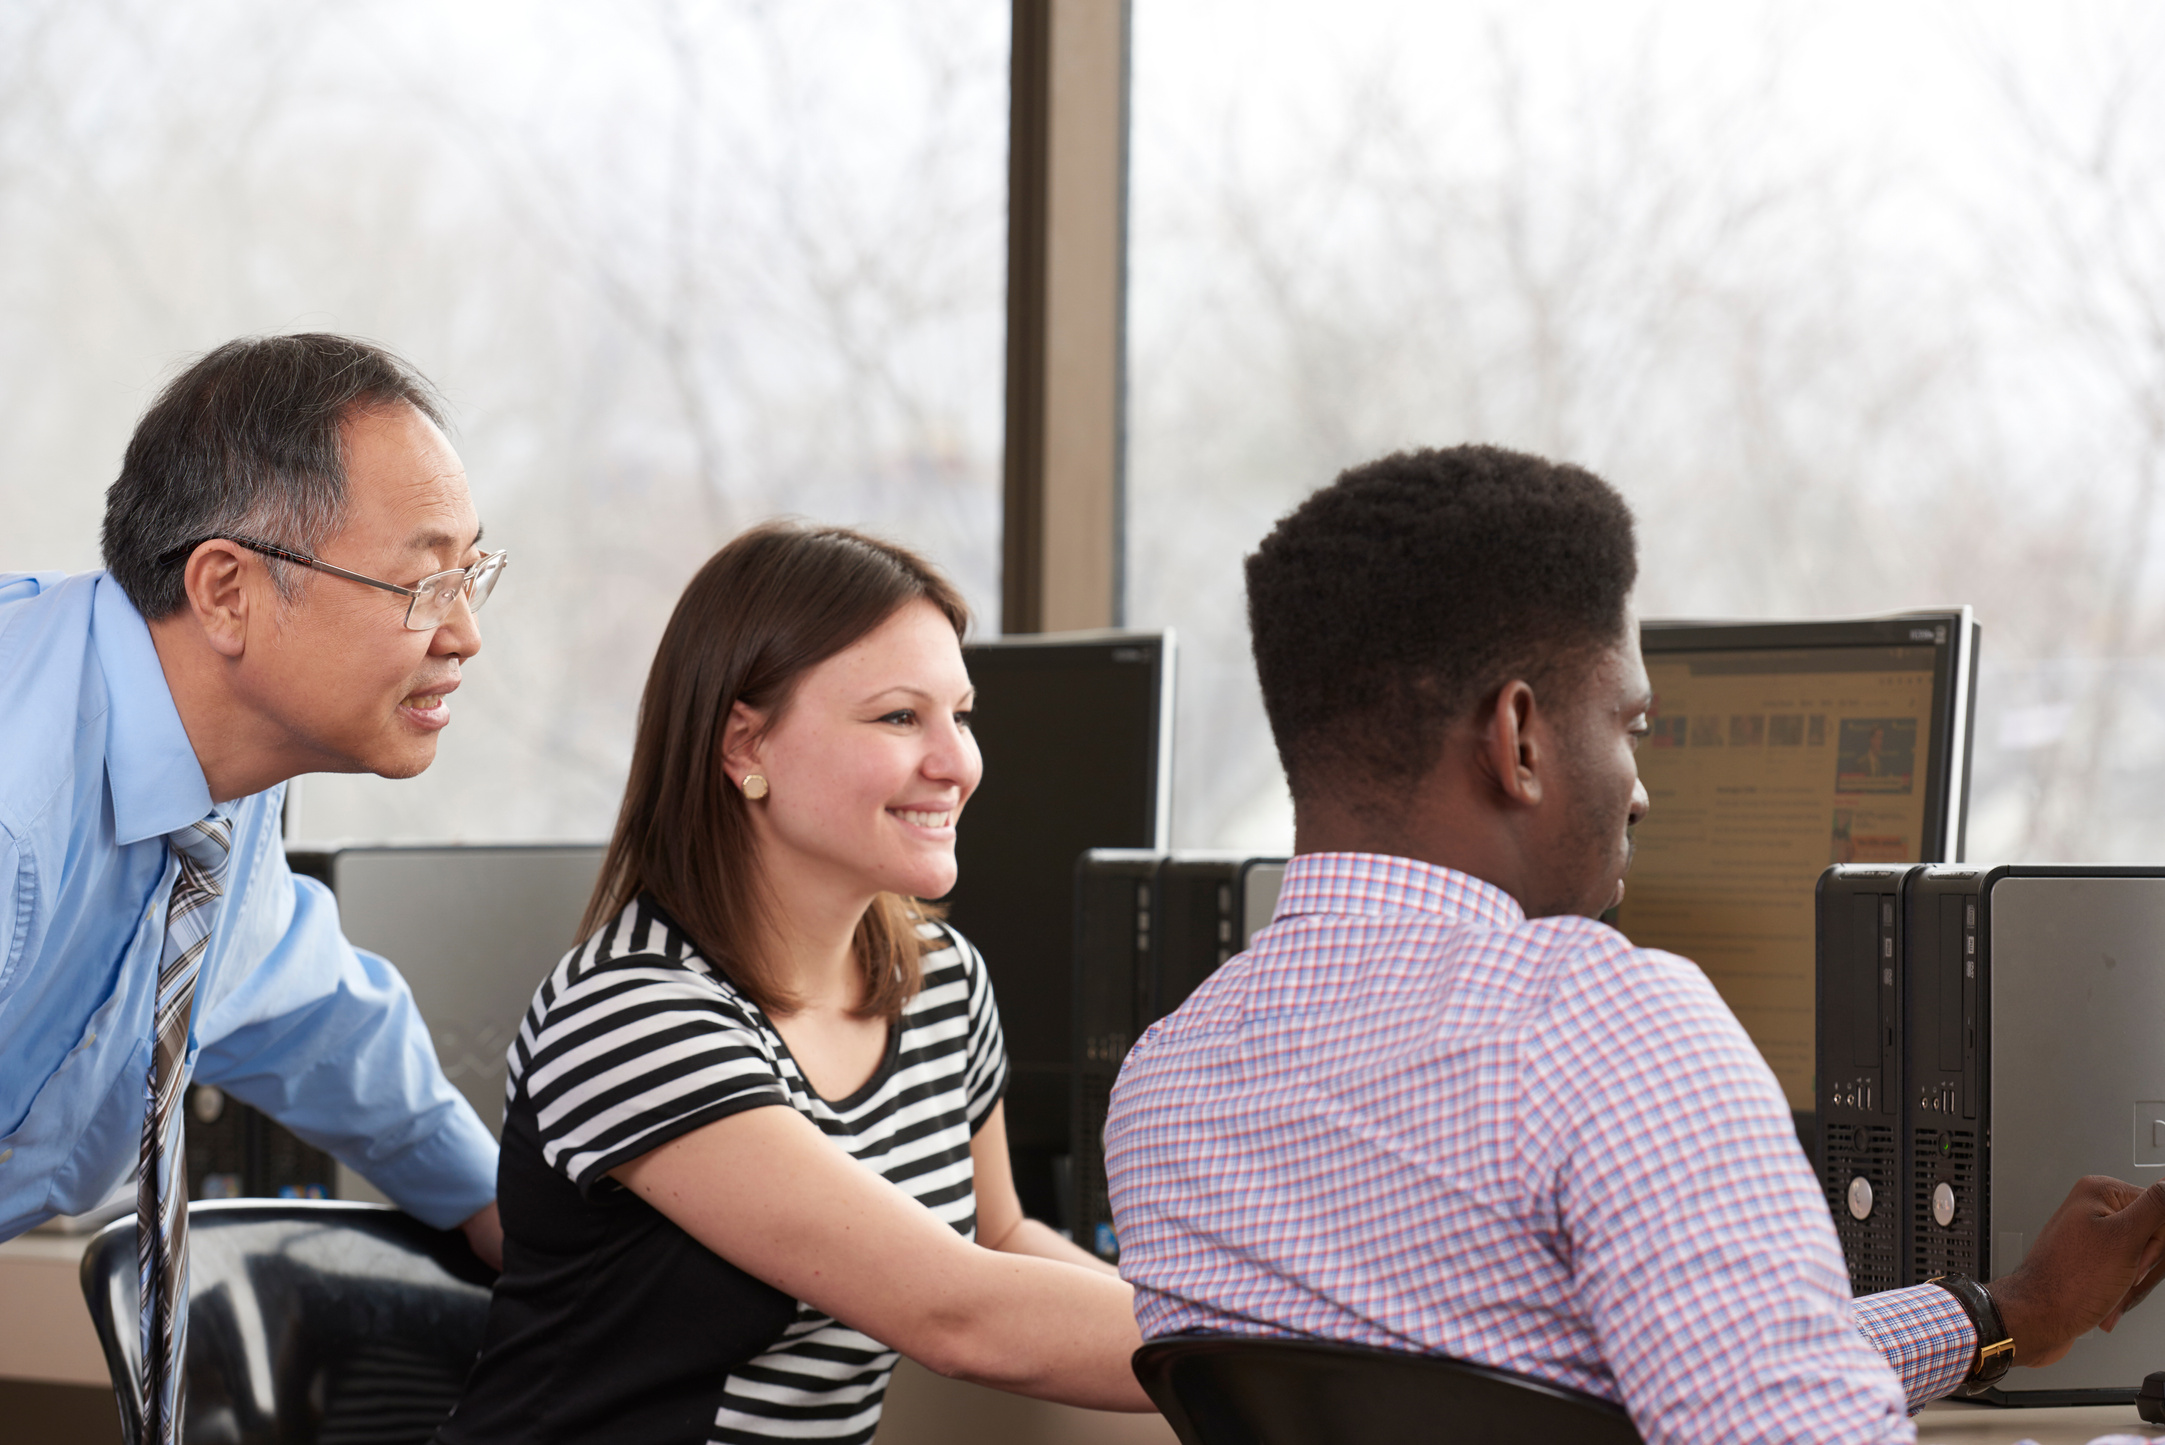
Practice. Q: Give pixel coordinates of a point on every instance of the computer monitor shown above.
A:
(1077, 734)
(474, 928)
(1776, 748)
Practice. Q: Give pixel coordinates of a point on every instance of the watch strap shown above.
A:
(1995, 1348)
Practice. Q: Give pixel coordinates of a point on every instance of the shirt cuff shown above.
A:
(445, 1178)
(1926, 1336)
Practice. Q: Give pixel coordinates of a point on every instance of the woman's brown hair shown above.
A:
(776, 602)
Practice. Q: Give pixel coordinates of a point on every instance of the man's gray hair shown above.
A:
(247, 442)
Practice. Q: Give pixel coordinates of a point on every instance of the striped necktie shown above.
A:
(161, 1230)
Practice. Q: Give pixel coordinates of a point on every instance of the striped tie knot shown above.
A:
(204, 850)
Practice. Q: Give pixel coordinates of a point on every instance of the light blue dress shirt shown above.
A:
(95, 769)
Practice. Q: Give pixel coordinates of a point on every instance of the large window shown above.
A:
(1858, 303)
(678, 267)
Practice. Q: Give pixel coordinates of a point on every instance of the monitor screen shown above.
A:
(1773, 750)
(474, 928)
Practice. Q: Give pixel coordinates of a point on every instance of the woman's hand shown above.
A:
(771, 1194)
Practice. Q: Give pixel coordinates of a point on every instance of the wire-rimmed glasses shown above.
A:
(428, 602)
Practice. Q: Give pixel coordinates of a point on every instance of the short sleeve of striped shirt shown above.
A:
(985, 1076)
(636, 1052)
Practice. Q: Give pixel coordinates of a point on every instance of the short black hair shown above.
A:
(246, 440)
(1391, 603)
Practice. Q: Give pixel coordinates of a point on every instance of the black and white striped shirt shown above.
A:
(610, 1323)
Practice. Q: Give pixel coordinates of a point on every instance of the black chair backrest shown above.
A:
(1248, 1390)
(309, 1321)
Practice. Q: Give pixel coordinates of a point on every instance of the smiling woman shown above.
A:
(763, 672)
(753, 1146)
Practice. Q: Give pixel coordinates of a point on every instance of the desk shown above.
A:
(45, 1330)
(53, 1387)
(45, 1335)
(1952, 1422)
(923, 1409)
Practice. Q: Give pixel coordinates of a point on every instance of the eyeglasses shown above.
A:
(427, 604)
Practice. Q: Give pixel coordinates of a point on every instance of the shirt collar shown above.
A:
(1369, 883)
(157, 783)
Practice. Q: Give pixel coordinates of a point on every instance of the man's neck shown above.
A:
(1431, 823)
(239, 750)
(1483, 864)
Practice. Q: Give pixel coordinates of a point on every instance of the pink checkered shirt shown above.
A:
(1408, 1117)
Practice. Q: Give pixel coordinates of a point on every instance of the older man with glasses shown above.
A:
(150, 715)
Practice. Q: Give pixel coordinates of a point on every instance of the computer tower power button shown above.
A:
(1943, 1204)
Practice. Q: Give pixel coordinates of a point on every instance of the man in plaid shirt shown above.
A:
(1437, 1106)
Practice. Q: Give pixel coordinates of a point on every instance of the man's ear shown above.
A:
(215, 582)
(741, 736)
(1511, 753)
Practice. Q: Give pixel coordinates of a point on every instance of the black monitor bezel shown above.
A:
(1040, 1097)
(1052, 649)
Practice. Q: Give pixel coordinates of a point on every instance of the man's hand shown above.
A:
(485, 1235)
(2095, 1259)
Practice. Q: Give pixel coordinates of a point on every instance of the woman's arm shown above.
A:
(771, 1194)
(1001, 1223)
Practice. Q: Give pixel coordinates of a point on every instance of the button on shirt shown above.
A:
(1409, 1117)
(95, 769)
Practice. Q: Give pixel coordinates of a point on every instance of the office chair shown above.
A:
(309, 1322)
(1245, 1390)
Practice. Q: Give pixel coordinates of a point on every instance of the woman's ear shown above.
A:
(741, 738)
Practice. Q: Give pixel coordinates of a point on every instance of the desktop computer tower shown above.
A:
(1115, 924)
(2031, 1000)
(1150, 927)
(237, 1152)
(2037, 993)
(1945, 1124)
(1861, 973)
(1207, 907)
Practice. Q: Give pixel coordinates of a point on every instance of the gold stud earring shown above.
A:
(755, 786)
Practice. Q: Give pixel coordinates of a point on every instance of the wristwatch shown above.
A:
(1995, 1347)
